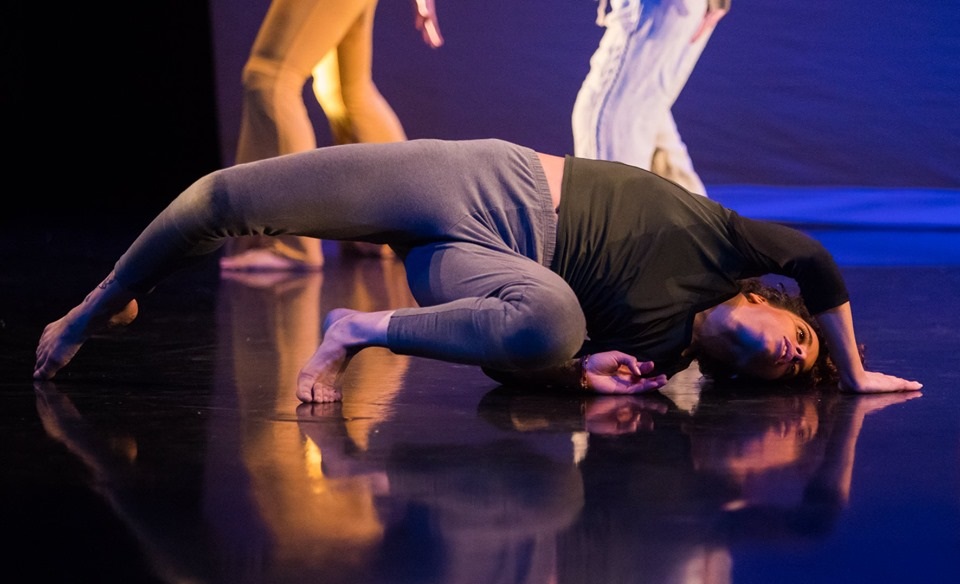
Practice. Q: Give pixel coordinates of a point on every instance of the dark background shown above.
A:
(109, 108)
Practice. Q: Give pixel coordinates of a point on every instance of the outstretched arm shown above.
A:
(425, 19)
(837, 325)
(787, 251)
(835, 474)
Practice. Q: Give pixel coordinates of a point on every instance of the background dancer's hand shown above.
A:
(716, 9)
(425, 19)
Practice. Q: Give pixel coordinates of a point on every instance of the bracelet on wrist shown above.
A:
(584, 384)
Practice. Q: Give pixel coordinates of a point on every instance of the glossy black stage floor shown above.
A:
(175, 450)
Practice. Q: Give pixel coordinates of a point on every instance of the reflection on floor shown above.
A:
(177, 452)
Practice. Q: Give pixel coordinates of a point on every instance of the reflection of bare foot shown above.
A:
(345, 333)
(341, 458)
(362, 249)
(62, 338)
(265, 260)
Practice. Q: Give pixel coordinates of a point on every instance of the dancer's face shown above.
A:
(771, 343)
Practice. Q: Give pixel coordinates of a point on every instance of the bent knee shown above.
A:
(268, 76)
(540, 347)
(545, 337)
(209, 209)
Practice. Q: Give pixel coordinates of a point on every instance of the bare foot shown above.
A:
(318, 381)
(62, 338)
(265, 260)
(345, 333)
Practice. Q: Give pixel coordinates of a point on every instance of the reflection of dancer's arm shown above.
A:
(836, 472)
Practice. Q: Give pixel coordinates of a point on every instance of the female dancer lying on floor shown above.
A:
(552, 270)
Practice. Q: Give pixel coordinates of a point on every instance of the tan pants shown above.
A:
(332, 42)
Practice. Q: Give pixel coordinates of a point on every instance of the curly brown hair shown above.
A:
(824, 371)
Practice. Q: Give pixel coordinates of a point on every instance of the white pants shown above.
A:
(644, 59)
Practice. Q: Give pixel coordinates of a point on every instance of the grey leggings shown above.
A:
(473, 222)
